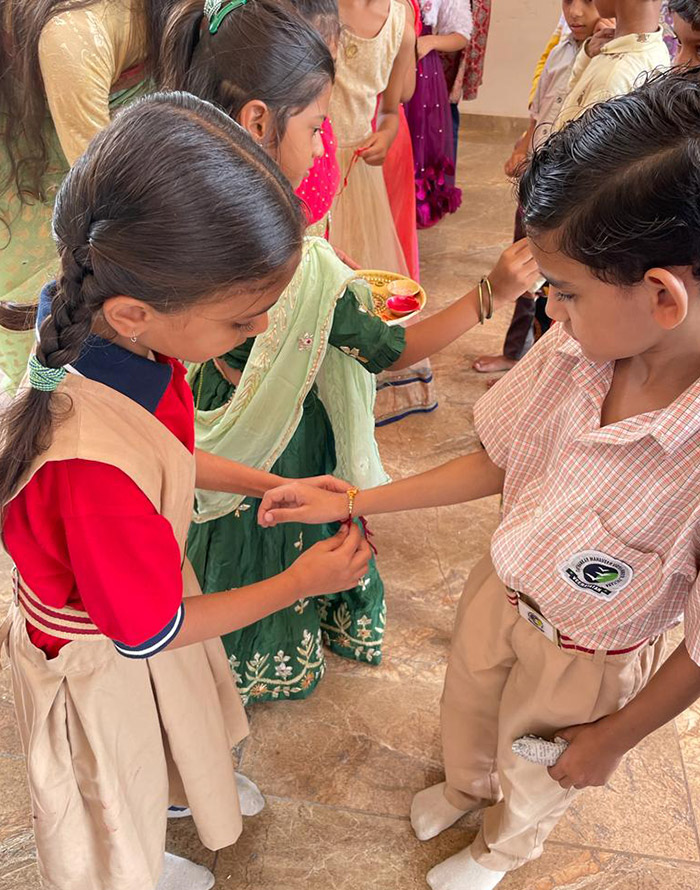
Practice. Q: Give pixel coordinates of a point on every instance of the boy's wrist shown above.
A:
(622, 735)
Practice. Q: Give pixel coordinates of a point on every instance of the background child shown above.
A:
(311, 372)
(64, 71)
(581, 19)
(398, 171)
(319, 187)
(98, 462)
(612, 67)
(464, 71)
(377, 58)
(560, 630)
(686, 25)
(670, 38)
(447, 26)
(375, 55)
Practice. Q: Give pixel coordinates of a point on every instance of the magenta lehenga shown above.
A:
(430, 121)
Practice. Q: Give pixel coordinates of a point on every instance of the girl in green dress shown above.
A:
(298, 400)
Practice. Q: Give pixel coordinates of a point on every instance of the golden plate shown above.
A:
(378, 281)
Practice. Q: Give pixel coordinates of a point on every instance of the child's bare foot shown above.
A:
(489, 364)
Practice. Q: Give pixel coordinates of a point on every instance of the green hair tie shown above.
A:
(42, 378)
(217, 13)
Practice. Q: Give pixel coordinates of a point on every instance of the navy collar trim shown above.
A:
(140, 379)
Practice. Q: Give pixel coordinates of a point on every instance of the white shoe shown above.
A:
(249, 796)
(179, 812)
(181, 874)
(462, 872)
(431, 812)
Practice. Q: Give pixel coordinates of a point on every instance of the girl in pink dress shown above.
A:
(319, 187)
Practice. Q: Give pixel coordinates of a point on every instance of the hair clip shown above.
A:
(216, 13)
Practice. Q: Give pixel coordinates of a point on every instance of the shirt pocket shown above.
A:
(583, 569)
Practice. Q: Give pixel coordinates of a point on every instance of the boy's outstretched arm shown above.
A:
(466, 478)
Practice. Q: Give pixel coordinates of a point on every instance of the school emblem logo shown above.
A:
(597, 573)
(536, 621)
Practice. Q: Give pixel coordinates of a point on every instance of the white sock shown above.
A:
(181, 874)
(431, 812)
(461, 872)
(249, 796)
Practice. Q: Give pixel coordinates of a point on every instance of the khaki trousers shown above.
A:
(505, 679)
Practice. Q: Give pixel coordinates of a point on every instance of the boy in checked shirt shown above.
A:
(594, 441)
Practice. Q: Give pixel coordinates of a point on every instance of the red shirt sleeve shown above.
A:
(83, 534)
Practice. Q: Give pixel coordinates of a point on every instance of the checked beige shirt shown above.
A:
(601, 526)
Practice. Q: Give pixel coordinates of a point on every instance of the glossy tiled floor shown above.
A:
(339, 770)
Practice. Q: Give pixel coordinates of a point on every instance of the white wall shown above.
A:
(519, 32)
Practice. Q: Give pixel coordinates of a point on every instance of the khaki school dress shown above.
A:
(110, 741)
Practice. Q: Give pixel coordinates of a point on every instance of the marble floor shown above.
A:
(339, 769)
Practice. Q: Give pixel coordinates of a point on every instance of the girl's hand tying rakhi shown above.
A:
(592, 757)
(327, 483)
(299, 502)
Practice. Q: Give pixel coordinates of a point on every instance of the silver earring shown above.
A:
(133, 337)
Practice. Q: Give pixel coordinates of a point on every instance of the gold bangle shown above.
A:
(489, 314)
(352, 493)
(481, 303)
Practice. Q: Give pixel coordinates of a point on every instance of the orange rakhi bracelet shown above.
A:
(352, 493)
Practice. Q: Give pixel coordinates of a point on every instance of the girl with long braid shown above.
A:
(124, 697)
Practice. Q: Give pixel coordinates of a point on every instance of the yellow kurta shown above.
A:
(83, 54)
(621, 66)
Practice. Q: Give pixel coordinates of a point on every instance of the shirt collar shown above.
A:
(632, 43)
(671, 427)
(140, 379)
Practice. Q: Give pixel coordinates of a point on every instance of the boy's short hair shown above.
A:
(688, 10)
(619, 187)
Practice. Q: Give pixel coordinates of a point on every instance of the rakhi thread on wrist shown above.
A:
(352, 493)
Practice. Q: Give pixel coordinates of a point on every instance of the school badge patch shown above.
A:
(597, 573)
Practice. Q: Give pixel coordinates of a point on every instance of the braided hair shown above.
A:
(172, 203)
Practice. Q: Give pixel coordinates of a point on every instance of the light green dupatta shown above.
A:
(255, 427)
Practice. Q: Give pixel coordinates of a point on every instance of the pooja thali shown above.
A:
(396, 297)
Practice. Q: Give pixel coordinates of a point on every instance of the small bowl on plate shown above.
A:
(403, 287)
(400, 305)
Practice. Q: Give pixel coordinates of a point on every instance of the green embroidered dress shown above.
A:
(281, 657)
